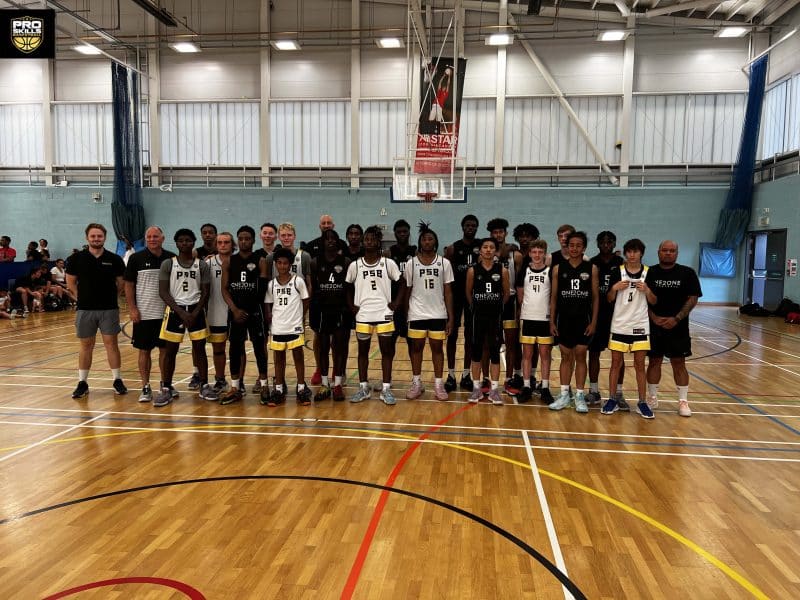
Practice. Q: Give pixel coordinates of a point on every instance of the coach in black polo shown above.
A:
(94, 276)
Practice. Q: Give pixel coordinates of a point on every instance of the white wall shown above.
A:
(219, 75)
(311, 74)
(785, 59)
(21, 80)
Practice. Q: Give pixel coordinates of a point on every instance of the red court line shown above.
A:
(358, 564)
(184, 588)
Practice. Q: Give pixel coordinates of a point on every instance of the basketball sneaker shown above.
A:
(466, 383)
(476, 395)
(415, 391)
(164, 397)
(81, 391)
(220, 385)
(580, 403)
(257, 387)
(644, 410)
(303, 396)
(621, 402)
(683, 408)
(119, 387)
(545, 395)
(494, 397)
(514, 385)
(610, 407)
(486, 385)
(316, 377)
(147, 394)
(362, 394)
(338, 393)
(194, 382)
(593, 398)
(652, 401)
(525, 395)
(323, 393)
(264, 395)
(440, 391)
(207, 393)
(388, 397)
(231, 396)
(562, 402)
(277, 398)
(450, 384)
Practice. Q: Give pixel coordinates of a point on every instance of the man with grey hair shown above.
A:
(677, 289)
(144, 303)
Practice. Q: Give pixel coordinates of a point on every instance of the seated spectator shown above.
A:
(58, 279)
(5, 305)
(7, 253)
(26, 288)
(32, 254)
(44, 250)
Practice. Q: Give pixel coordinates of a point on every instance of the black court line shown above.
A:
(736, 345)
(554, 570)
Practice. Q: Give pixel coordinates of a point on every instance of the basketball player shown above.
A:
(428, 276)
(328, 278)
(401, 253)
(606, 262)
(301, 260)
(94, 276)
(145, 304)
(524, 234)
(534, 290)
(244, 283)
(268, 234)
(462, 254)
(217, 313)
(562, 255)
(183, 284)
(355, 237)
(510, 257)
(287, 301)
(370, 299)
(208, 233)
(487, 291)
(574, 303)
(630, 324)
(677, 289)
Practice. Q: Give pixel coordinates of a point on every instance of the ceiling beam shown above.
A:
(736, 8)
(623, 8)
(673, 8)
(415, 9)
(782, 9)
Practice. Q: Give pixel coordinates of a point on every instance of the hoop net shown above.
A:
(441, 179)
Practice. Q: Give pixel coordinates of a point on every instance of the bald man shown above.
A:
(314, 247)
(144, 303)
(677, 289)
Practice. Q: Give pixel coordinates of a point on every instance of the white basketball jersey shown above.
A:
(287, 305)
(373, 288)
(217, 310)
(630, 307)
(536, 295)
(427, 288)
(184, 282)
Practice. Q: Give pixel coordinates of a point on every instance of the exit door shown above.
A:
(766, 262)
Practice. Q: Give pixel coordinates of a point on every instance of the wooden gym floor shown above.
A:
(109, 498)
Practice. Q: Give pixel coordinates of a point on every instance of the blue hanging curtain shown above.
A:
(735, 217)
(127, 211)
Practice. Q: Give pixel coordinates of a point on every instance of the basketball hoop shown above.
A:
(428, 190)
(426, 199)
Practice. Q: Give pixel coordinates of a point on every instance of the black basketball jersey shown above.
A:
(464, 256)
(604, 270)
(574, 289)
(243, 274)
(487, 289)
(331, 279)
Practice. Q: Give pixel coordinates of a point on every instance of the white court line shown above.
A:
(558, 557)
(758, 360)
(356, 424)
(37, 330)
(748, 341)
(384, 439)
(52, 437)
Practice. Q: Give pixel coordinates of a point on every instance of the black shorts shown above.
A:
(570, 330)
(427, 328)
(173, 329)
(510, 314)
(329, 321)
(252, 328)
(145, 335)
(602, 333)
(536, 332)
(669, 342)
(487, 331)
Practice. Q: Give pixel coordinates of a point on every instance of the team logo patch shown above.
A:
(495, 277)
(250, 266)
(338, 268)
(584, 276)
(27, 33)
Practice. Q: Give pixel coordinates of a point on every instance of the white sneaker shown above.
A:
(415, 391)
(683, 408)
(476, 396)
(580, 403)
(652, 402)
(562, 402)
(439, 392)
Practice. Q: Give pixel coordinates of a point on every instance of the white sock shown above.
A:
(195, 371)
(683, 392)
(476, 385)
(577, 391)
(364, 385)
(115, 373)
(465, 372)
(264, 382)
(386, 386)
(235, 384)
(279, 387)
(494, 385)
(594, 386)
(451, 373)
(415, 379)
(301, 387)
(337, 380)
(545, 383)
(619, 388)
(652, 390)
(565, 389)
(437, 381)
(325, 380)
(517, 372)
(83, 374)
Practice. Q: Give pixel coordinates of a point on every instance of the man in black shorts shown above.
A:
(332, 320)
(144, 303)
(573, 318)
(677, 289)
(606, 262)
(94, 276)
(462, 254)
(244, 284)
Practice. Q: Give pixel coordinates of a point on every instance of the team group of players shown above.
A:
(513, 299)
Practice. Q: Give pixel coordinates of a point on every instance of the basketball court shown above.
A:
(108, 497)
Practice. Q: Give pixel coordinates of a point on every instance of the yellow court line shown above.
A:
(729, 571)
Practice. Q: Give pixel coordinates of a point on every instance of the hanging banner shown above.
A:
(439, 115)
(28, 33)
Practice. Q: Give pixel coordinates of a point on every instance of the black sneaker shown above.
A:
(486, 385)
(119, 387)
(264, 395)
(450, 384)
(304, 396)
(545, 395)
(231, 396)
(81, 391)
(173, 393)
(524, 395)
(466, 383)
(194, 382)
(242, 389)
(277, 398)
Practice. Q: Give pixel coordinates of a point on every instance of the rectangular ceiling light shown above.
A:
(731, 32)
(87, 49)
(185, 47)
(286, 45)
(389, 42)
(613, 35)
(500, 39)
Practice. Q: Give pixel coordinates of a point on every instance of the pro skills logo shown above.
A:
(27, 33)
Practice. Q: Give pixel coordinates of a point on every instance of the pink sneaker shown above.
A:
(439, 392)
(683, 408)
(415, 391)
